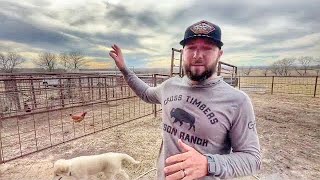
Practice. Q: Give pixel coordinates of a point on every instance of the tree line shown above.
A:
(74, 60)
(50, 62)
(302, 66)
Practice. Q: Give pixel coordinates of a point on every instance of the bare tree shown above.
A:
(304, 65)
(9, 61)
(47, 61)
(64, 60)
(286, 65)
(266, 70)
(282, 67)
(247, 71)
(275, 68)
(76, 60)
(316, 63)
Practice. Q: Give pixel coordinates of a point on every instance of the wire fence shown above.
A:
(38, 111)
(299, 85)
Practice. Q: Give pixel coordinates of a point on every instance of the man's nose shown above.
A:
(197, 54)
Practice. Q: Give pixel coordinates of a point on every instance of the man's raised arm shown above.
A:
(143, 90)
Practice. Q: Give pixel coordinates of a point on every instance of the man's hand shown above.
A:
(117, 56)
(186, 166)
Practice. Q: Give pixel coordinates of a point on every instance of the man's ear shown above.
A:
(220, 52)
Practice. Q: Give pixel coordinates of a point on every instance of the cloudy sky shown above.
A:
(254, 32)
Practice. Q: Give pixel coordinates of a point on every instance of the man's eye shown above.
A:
(207, 47)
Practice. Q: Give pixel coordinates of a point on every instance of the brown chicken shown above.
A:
(78, 117)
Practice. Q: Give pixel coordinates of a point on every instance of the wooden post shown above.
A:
(272, 84)
(315, 87)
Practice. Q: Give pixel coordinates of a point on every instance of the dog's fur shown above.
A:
(84, 166)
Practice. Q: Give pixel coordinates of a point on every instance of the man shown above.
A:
(208, 126)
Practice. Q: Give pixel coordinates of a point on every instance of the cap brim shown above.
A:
(217, 42)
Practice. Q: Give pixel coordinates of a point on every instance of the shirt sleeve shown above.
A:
(143, 90)
(245, 158)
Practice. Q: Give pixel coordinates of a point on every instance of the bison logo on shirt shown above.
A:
(182, 116)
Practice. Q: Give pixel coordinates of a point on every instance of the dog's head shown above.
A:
(61, 168)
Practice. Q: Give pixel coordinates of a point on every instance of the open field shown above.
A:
(288, 128)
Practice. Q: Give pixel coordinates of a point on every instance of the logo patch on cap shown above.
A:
(202, 27)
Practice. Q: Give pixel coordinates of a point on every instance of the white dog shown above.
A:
(84, 166)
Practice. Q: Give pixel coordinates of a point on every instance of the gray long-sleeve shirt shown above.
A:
(212, 117)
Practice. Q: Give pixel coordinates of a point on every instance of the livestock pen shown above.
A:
(35, 109)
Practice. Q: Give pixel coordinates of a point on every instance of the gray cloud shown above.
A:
(15, 30)
(256, 16)
(18, 24)
(248, 13)
(127, 18)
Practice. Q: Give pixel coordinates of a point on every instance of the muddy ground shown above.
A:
(288, 127)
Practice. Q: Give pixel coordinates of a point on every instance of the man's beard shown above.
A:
(209, 71)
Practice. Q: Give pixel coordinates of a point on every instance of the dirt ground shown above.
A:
(288, 127)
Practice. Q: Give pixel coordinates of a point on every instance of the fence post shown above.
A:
(81, 96)
(272, 84)
(239, 81)
(315, 87)
(34, 104)
(92, 88)
(61, 92)
(113, 87)
(0, 146)
(105, 88)
(154, 85)
(100, 84)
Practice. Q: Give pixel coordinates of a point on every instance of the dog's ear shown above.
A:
(65, 167)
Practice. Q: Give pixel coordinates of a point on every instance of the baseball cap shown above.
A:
(203, 29)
